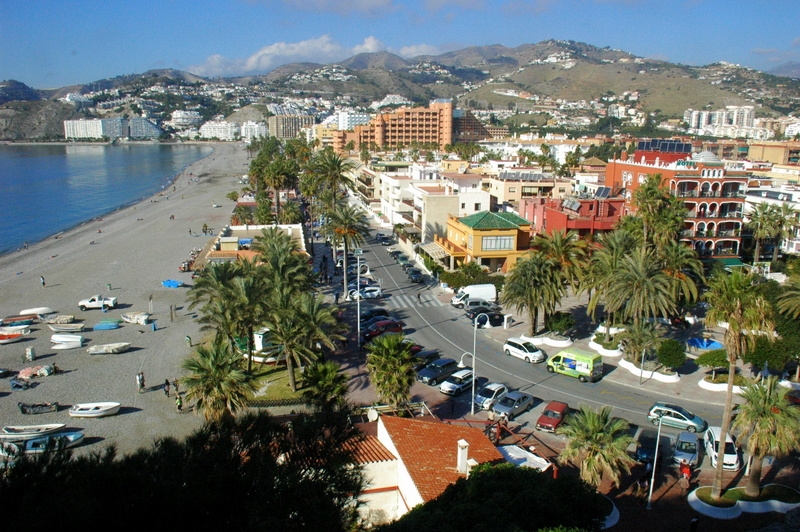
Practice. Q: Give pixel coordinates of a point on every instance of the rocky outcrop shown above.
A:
(35, 120)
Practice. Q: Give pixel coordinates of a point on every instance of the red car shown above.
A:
(553, 415)
(381, 327)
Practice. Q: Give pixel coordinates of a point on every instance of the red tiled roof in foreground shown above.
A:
(429, 451)
(370, 450)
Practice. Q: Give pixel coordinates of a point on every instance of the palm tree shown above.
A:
(211, 292)
(533, 284)
(769, 423)
(733, 299)
(785, 222)
(640, 288)
(280, 173)
(598, 443)
(789, 301)
(346, 225)
(604, 263)
(567, 250)
(327, 385)
(637, 339)
(246, 300)
(391, 368)
(681, 266)
(217, 381)
(242, 215)
(291, 213)
(762, 224)
(333, 170)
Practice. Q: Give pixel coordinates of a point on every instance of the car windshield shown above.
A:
(486, 393)
(506, 401)
(552, 413)
(529, 347)
(687, 446)
(730, 448)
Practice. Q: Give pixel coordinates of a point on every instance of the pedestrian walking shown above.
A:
(179, 403)
(683, 483)
(175, 385)
(419, 297)
(166, 387)
(41, 278)
(188, 340)
(336, 298)
(140, 381)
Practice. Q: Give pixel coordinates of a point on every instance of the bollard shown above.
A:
(153, 326)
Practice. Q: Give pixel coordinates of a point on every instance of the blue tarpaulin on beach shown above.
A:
(172, 283)
(245, 241)
(704, 343)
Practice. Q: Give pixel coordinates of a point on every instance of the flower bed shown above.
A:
(773, 498)
(649, 373)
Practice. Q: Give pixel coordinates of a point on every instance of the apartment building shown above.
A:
(433, 202)
(220, 129)
(511, 186)
(775, 152)
(712, 195)
(584, 214)
(254, 130)
(288, 126)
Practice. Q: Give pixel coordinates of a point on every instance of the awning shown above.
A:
(434, 250)
(732, 263)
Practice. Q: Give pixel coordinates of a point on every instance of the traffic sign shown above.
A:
(358, 251)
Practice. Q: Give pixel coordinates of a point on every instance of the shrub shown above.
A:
(671, 353)
(600, 339)
(560, 322)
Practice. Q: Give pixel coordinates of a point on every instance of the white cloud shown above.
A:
(320, 50)
(344, 7)
(418, 49)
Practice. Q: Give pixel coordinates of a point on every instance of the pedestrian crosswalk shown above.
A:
(394, 300)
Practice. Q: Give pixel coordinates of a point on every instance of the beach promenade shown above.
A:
(132, 250)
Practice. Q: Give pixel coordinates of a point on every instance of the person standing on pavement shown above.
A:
(179, 403)
(166, 387)
(41, 279)
(175, 385)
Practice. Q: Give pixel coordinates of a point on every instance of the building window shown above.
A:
(469, 242)
(494, 243)
(512, 190)
(463, 205)
(477, 207)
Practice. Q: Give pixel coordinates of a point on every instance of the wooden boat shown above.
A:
(28, 432)
(136, 317)
(66, 327)
(66, 339)
(94, 409)
(20, 317)
(67, 345)
(62, 440)
(37, 408)
(9, 338)
(106, 325)
(109, 349)
(38, 311)
(61, 318)
(11, 321)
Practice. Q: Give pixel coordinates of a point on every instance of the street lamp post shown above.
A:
(461, 365)
(655, 463)
(475, 358)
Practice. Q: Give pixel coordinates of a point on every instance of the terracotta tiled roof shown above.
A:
(594, 161)
(429, 451)
(370, 450)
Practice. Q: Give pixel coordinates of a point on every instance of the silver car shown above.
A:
(687, 447)
(513, 404)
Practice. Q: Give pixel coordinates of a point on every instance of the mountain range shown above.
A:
(477, 77)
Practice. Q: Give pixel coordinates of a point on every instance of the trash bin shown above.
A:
(30, 353)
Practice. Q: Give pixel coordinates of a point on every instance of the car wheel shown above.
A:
(527, 360)
(690, 428)
(433, 382)
(508, 353)
(550, 369)
(83, 307)
(655, 422)
(510, 417)
(582, 378)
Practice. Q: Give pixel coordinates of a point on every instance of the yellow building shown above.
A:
(495, 240)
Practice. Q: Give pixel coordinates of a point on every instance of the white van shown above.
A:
(475, 291)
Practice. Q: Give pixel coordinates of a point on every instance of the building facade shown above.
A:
(288, 126)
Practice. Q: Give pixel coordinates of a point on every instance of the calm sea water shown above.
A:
(46, 189)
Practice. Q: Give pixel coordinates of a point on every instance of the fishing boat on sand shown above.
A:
(109, 349)
(138, 317)
(94, 409)
(28, 432)
(38, 311)
(10, 321)
(37, 408)
(14, 329)
(61, 318)
(67, 339)
(66, 327)
(67, 345)
(62, 440)
(10, 338)
(107, 325)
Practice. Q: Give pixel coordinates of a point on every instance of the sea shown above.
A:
(46, 189)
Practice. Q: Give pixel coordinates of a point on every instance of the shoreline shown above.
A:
(131, 250)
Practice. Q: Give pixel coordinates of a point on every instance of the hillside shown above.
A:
(35, 120)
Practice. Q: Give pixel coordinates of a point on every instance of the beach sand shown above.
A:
(134, 250)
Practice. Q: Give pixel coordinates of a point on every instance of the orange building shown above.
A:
(712, 194)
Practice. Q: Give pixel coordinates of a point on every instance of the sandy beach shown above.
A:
(133, 250)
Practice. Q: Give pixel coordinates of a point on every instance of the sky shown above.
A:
(56, 43)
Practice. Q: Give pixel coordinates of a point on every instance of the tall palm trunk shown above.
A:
(344, 274)
(716, 489)
(753, 487)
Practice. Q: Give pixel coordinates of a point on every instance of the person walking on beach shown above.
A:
(175, 385)
(179, 403)
(166, 387)
(189, 340)
(140, 381)
(41, 278)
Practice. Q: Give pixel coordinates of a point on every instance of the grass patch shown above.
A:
(722, 378)
(276, 381)
(600, 339)
(772, 492)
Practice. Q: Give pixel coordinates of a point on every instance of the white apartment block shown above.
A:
(83, 129)
(348, 120)
(183, 119)
(733, 115)
(221, 130)
(254, 130)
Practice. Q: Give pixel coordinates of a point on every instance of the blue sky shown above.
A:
(54, 43)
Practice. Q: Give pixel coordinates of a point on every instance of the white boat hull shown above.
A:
(66, 345)
(28, 432)
(40, 311)
(66, 327)
(109, 349)
(63, 440)
(94, 409)
(136, 317)
(15, 329)
(66, 339)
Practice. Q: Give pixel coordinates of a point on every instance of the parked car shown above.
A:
(490, 319)
(372, 321)
(365, 281)
(425, 357)
(394, 253)
(414, 275)
(521, 349)
(97, 301)
(687, 447)
(676, 416)
(646, 445)
(475, 311)
(457, 382)
(368, 292)
(381, 327)
(552, 417)
(369, 313)
(513, 404)
(730, 458)
(478, 302)
(385, 241)
(489, 395)
(379, 236)
(437, 371)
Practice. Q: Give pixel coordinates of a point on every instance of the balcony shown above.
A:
(452, 249)
(731, 215)
(688, 233)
